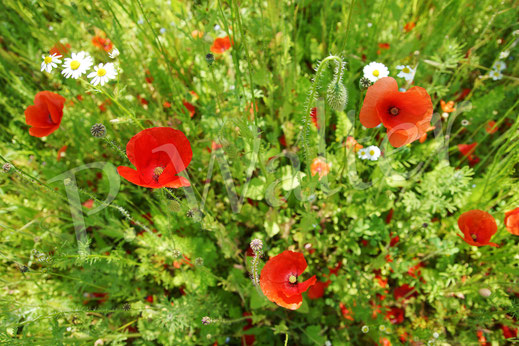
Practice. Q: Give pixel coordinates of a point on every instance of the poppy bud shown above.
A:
(256, 245)
(364, 83)
(24, 269)
(206, 320)
(337, 96)
(98, 130)
(209, 58)
(67, 181)
(485, 292)
(6, 167)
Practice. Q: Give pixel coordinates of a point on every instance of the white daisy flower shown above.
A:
(406, 72)
(114, 53)
(373, 153)
(50, 61)
(445, 115)
(499, 65)
(102, 74)
(504, 54)
(77, 65)
(362, 153)
(375, 70)
(495, 75)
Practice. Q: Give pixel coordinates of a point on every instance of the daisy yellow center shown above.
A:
(292, 279)
(47, 60)
(157, 171)
(101, 72)
(74, 64)
(406, 70)
(372, 152)
(376, 73)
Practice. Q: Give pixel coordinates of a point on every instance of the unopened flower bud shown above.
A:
(337, 96)
(67, 181)
(485, 292)
(209, 58)
(256, 245)
(98, 130)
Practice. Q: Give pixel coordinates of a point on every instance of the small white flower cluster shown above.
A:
(79, 63)
(371, 153)
(497, 67)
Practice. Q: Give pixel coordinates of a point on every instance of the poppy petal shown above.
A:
(129, 174)
(35, 115)
(42, 131)
(368, 113)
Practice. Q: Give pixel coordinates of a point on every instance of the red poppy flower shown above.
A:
(248, 339)
(406, 115)
(166, 104)
(404, 292)
(481, 338)
(313, 115)
(346, 313)
(88, 204)
(102, 43)
(395, 315)
(384, 342)
(491, 127)
(389, 216)
(60, 49)
(190, 108)
(159, 153)
(278, 279)
(409, 26)
(477, 227)
(467, 151)
(512, 221)
(221, 44)
(61, 152)
(317, 290)
(509, 332)
(46, 113)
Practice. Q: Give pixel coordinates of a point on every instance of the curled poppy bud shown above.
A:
(46, 113)
(477, 227)
(279, 279)
(337, 96)
(406, 115)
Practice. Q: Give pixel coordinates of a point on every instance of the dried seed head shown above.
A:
(209, 58)
(337, 96)
(6, 167)
(256, 245)
(98, 130)
(175, 253)
(206, 320)
(364, 83)
(199, 261)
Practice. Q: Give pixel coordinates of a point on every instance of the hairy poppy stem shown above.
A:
(311, 98)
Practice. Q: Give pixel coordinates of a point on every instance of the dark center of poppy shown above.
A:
(393, 110)
(292, 279)
(157, 172)
(474, 237)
